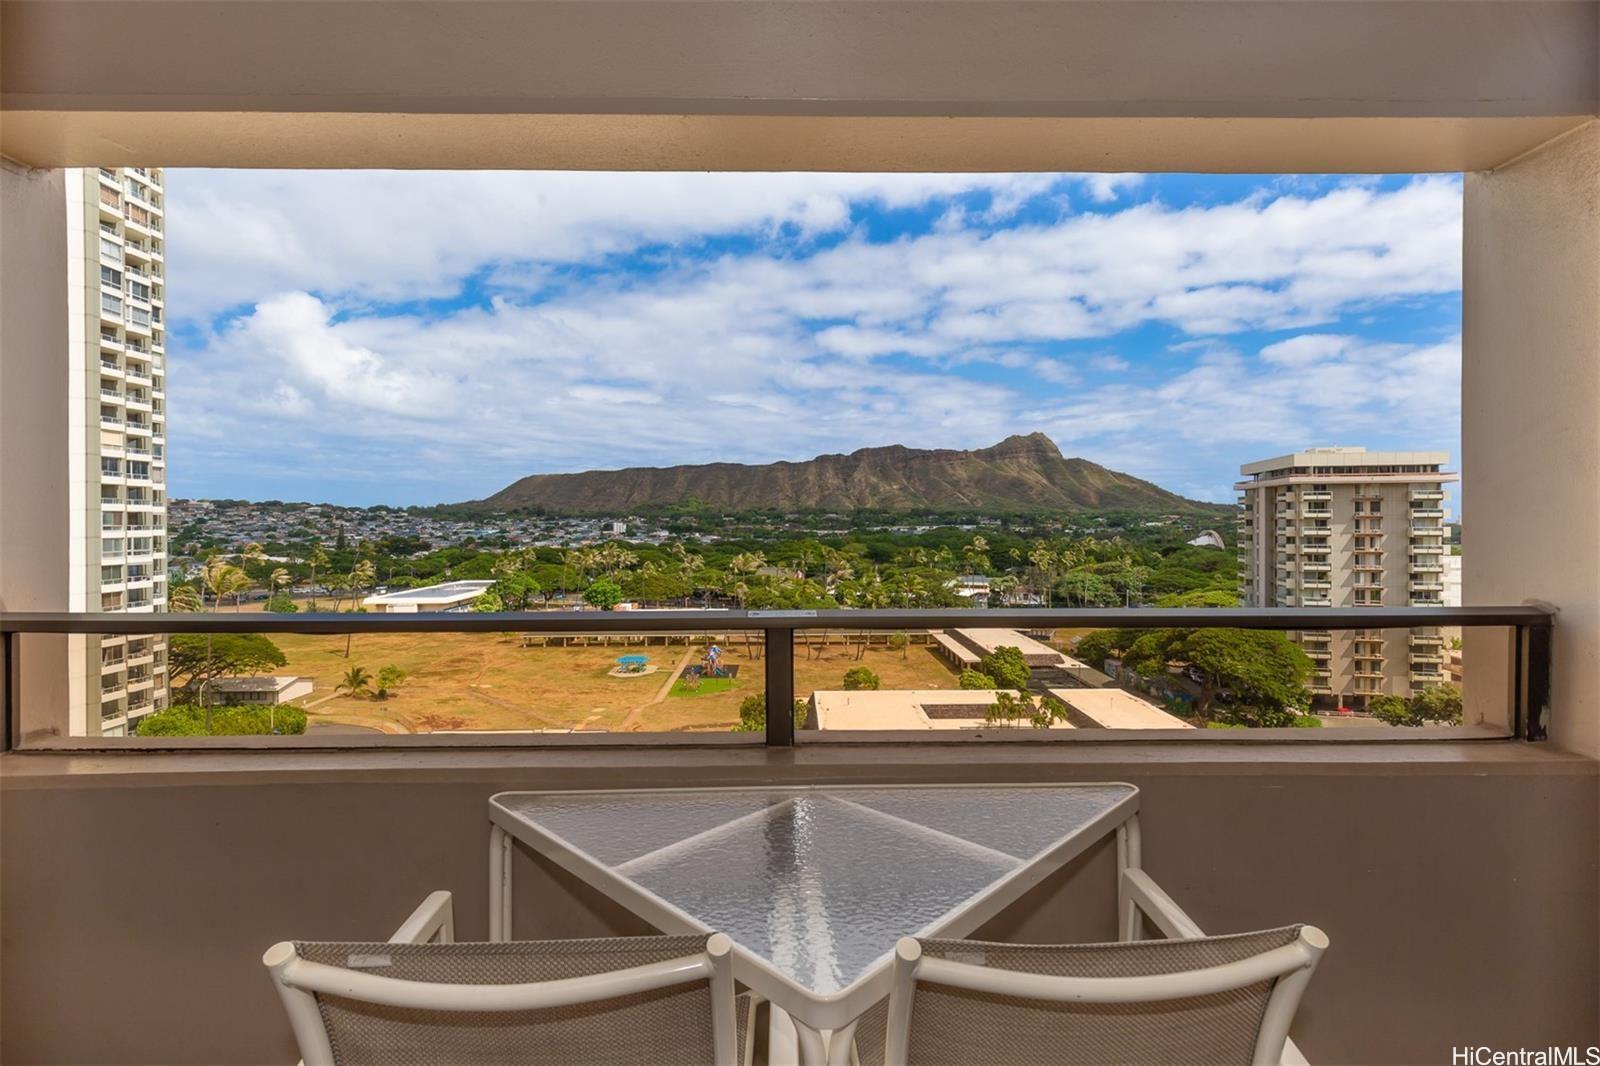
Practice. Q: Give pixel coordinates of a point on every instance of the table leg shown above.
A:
(1128, 858)
(499, 884)
(839, 1042)
(813, 1050)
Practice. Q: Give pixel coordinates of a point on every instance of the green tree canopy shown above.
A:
(199, 657)
(1007, 666)
(1441, 705)
(515, 591)
(976, 679)
(604, 594)
(1264, 672)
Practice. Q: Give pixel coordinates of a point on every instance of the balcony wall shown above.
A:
(1457, 881)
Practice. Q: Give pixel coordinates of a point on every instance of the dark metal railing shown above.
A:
(1530, 625)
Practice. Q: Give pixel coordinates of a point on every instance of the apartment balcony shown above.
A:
(1315, 601)
(1427, 586)
(1311, 583)
(1498, 921)
(1426, 512)
(1427, 566)
(1315, 549)
(1427, 494)
(1426, 640)
(1427, 677)
(1315, 531)
(1426, 657)
(1315, 494)
(1427, 549)
(1316, 512)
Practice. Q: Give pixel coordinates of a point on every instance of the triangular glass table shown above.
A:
(814, 885)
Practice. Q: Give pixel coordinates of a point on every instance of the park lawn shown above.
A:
(917, 666)
(487, 681)
(477, 681)
(708, 686)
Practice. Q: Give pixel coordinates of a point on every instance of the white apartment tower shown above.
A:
(116, 289)
(1345, 527)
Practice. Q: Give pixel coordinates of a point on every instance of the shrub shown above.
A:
(972, 679)
(753, 714)
(189, 720)
(389, 677)
(859, 678)
(1008, 668)
(281, 604)
(1441, 704)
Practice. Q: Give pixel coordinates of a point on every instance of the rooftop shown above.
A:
(936, 708)
(1344, 456)
(449, 591)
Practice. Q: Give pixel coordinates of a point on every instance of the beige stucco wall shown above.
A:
(1456, 882)
(34, 558)
(1530, 413)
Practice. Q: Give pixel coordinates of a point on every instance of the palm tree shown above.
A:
(276, 580)
(363, 575)
(221, 578)
(315, 557)
(356, 680)
(184, 599)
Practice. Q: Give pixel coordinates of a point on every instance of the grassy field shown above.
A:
(487, 681)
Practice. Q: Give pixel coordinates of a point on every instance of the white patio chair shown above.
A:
(1198, 1000)
(421, 997)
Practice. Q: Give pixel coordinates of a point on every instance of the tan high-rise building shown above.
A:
(1345, 527)
(116, 290)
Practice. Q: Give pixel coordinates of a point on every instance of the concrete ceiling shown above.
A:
(1325, 85)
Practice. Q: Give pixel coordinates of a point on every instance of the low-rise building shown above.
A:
(450, 596)
(260, 690)
(937, 708)
(986, 641)
(1114, 708)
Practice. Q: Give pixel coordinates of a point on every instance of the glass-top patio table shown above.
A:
(814, 885)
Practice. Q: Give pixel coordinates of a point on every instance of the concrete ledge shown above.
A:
(677, 766)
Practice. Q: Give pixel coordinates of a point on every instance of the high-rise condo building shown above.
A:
(116, 286)
(1345, 527)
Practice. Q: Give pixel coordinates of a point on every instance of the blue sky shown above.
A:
(401, 337)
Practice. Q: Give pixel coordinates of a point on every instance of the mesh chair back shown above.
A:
(668, 1025)
(960, 1027)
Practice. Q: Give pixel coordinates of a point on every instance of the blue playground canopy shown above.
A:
(632, 660)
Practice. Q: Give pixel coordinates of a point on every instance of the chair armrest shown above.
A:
(1160, 907)
(1174, 924)
(434, 920)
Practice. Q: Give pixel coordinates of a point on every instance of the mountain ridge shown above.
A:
(1023, 472)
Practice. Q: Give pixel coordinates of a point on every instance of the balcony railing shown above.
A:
(1530, 627)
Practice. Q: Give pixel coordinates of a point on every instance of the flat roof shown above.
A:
(959, 651)
(449, 590)
(1340, 455)
(255, 684)
(990, 639)
(904, 708)
(1113, 708)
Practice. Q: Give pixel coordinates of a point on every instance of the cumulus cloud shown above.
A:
(695, 346)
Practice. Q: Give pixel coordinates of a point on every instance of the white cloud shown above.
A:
(237, 235)
(780, 349)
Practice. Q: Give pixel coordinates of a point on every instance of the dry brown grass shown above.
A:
(489, 681)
